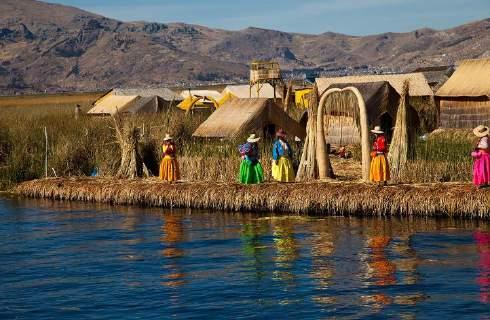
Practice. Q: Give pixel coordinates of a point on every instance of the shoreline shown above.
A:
(318, 198)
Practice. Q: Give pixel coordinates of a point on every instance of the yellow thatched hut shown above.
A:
(240, 117)
(464, 100)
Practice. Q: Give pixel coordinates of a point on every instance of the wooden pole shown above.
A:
(46, 153)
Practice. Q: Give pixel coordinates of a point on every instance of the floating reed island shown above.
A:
(319, 198)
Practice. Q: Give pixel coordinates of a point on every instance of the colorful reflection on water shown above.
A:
(69, 260)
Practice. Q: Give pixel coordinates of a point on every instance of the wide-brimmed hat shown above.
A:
(281, 133)
(481, 131)
(253, 138)
(377, 130)
(167, 137)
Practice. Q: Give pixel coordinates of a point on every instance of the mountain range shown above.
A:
(50, 47)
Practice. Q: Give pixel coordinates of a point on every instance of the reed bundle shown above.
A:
(323, 198)
(400, 144)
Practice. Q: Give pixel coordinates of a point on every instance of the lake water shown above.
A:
(72, 260)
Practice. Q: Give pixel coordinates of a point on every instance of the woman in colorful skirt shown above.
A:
(282, 164)
(169, 168)
(481, 156)
(251, 171)
(379, 171)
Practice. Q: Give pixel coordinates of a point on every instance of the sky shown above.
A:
(354, 17)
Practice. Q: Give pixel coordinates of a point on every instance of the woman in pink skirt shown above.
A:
(481, 157)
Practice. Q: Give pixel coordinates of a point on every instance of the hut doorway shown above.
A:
(356, 111)
(387, 125)
(269, 131)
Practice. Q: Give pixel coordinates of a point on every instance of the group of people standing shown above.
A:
(252, 172)
(380, 172)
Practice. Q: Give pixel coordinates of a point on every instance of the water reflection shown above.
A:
(322, 269)
(379, 269)
(205, 264)
(286, 247)
(172, 235)
(251, 236)
(483, 245)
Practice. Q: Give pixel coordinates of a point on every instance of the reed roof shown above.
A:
(244, 116)
(142, 104)
(201, 93)
(471, 79)
(164, 93)
(111, 104)
(418, 83)
(243, 91)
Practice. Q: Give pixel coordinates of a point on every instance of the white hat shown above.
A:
(481, 131)
(253, 138)
(377, 130)
(167, 137)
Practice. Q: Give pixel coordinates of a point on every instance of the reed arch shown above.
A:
(321, 152)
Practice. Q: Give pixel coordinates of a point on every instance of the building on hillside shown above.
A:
(240, 117)
(137, 100)
(464, 100)
(422, 109)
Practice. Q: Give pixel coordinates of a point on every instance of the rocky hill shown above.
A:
(47, 47)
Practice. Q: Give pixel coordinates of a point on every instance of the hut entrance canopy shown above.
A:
(342, 118)
(240, 117)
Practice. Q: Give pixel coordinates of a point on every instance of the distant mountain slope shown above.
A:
(52, 47)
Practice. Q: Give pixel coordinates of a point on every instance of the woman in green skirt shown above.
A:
(251, 171)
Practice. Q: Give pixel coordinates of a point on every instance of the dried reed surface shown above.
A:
(325, 198)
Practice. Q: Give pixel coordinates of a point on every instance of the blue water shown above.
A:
(85, 261)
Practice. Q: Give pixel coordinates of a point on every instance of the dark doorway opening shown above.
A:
(386, 124)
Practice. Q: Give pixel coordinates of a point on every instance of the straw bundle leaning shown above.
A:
(398, 154)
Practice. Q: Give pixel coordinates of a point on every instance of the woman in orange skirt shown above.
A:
(379, 171)
(169, 168)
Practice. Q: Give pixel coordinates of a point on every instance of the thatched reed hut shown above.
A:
(110, 104)
(134, 101)
(381, 94)
(240, 117)
(464, 100)
(341, 125)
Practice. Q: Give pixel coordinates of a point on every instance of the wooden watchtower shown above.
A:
(262, 72)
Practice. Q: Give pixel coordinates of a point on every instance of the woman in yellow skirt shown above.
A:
(169, 168)
(282, 164)
(379, 171)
